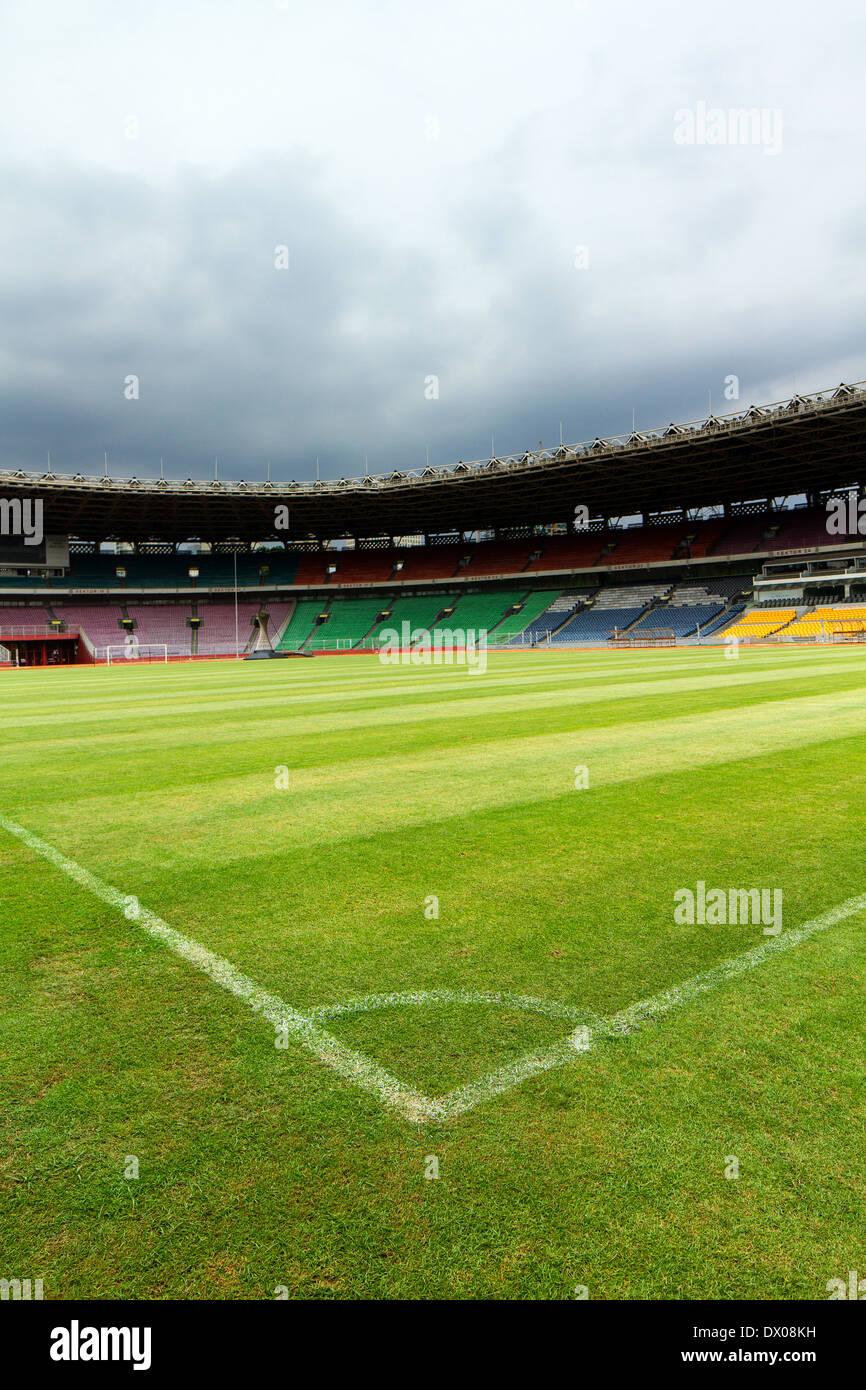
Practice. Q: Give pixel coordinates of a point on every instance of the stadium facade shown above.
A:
(747, 524)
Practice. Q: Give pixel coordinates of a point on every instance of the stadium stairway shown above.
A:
(320, 618)
(717, 625)
(280, 623)
(299, 625)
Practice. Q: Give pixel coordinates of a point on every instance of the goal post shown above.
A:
(142, 652)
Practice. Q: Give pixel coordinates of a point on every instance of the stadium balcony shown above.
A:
(699, 537)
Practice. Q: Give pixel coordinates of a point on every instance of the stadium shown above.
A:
(536, 977)
(680, 535)
(432, 683)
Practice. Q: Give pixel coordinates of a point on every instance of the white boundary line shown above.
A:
(362, 1070)
(354, 1066)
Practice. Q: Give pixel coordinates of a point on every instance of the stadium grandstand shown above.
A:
(705, 531)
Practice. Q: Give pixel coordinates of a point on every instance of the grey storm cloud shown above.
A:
(410, 258)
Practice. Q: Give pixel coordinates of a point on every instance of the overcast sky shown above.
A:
(500, 196)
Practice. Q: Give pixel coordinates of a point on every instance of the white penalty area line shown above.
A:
(363, 1071)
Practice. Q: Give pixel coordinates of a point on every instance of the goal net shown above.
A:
(642, 637)
(131, 652)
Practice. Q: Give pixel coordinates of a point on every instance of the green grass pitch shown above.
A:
(259, 1167)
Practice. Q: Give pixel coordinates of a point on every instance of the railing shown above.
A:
(350, 644)
(38, 630)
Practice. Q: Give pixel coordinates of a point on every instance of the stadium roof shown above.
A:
(807, 444)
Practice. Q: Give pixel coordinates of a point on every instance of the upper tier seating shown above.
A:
(499, 557)
(31, 581)
(699, 537)
(276, 568)
(360, 566)
(422, 562)
(581, 550)
(641, 545)
(172, 571)
(783, 530)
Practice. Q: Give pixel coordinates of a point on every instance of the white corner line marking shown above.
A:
(353, 1066)
(362, 1070)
